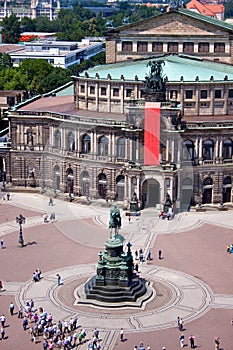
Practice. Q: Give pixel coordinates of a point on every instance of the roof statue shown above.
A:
(155, 81)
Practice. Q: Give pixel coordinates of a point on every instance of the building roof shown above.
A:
(175, 66)
(188, 13)
(9, 48)
(64, 106)
(205, 9)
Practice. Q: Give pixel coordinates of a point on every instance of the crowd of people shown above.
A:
(64, 335)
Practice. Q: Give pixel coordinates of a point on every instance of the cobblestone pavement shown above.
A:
(192, 297)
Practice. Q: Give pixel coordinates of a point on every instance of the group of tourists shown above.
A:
(167, 215)
(64, 335)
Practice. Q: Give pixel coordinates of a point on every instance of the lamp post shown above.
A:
(20, 220)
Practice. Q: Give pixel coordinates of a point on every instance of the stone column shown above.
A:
(135, 46)
(109, 144)
(92, 142)
(78, 140)
(113, 146)
(167, 150)
(95, 143)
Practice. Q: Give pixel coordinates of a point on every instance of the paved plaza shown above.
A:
(193, 280)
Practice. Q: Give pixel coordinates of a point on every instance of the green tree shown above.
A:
(11, 29)
(57, 77)
(228, 8)
(28, 24)
(5, 60)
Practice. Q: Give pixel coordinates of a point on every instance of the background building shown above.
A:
(106, 140)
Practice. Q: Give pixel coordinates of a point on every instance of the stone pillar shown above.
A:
(135, 46)
(172, 150)
(92, 142)
(220, 148)
(109, 144)
(195, 47)
(97, 95)
(216, 148)
(167, 150)
(211, 48)
(149, 47)
(108, 97)
(78, 141)
(113, 145)
(165, 47)
(95, 143)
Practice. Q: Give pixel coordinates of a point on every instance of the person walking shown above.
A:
(216, 343)
(2, 333)
(160, 254)
(192, 341)
(122, 334)
(1, 243)
(3, 320)
(181, 325)
(12, 306)
(58, 279)
(182, 340)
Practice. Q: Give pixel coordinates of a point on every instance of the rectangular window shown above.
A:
(188, 47)
(82, 88)
(218, 94)
(157, 47)
(115, 92)
(128, 92)
(103, 91)
(142, 46)
(127, 46)
(92, 90)
(203, 47)
(219, 47)
(189, 94)
(203, 93)
(172, 47)
(230, 93)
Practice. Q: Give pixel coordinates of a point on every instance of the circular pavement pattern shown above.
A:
(187, 297)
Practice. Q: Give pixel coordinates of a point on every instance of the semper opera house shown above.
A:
(115, 131)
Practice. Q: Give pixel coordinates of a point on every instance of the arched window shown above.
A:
(207, 181)
(227, 149)
(121, 147)
(103, 146)
(120, 187)
(57, 139)
(86, 144)
(188, 150)
(70, 142)
(208, 150)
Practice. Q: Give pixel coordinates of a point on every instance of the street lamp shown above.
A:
(20, 220)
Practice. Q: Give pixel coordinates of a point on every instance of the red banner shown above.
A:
(152, 133)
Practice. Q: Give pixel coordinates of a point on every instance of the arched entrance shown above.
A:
(120, 187)
(85, 182)
(226, 189)
(150, 193)
(102, 186)
(186, 193)
(207, 190)
(69, 180)
(56, 177)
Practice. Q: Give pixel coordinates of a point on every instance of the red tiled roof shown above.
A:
(205, 9)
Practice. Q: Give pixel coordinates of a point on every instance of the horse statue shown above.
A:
(155, 80)
(114, 221)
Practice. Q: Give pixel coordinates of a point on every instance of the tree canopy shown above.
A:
(11, 29)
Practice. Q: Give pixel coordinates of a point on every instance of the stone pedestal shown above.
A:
(115, 280)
